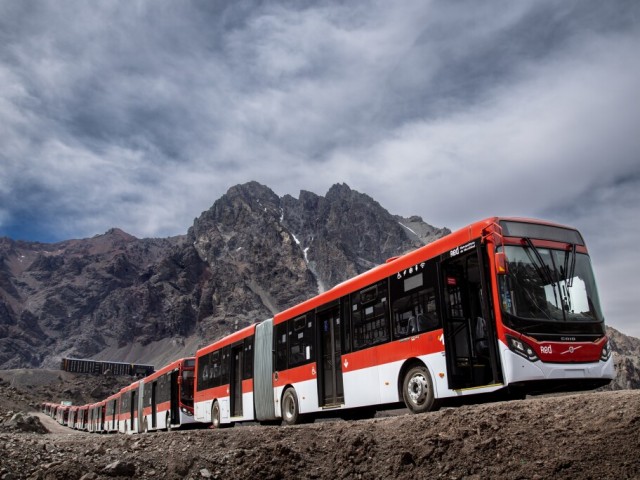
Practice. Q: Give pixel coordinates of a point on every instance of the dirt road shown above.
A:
(581, 436)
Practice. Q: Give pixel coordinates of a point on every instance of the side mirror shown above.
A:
(501, 263)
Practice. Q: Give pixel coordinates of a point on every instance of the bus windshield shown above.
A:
(549, 285)
(187, 387)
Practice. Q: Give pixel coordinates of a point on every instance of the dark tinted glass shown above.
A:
(542, 232)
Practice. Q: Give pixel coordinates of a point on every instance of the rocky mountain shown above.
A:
(148, 300)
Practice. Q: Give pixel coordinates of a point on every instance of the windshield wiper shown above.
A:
(541, 267)
(572, 269)
(567, 274)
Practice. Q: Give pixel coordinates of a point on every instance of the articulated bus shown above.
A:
(128, 408)
(111, 413)
(224, 387)
(503, 306)
(167, 400)
(97, 417)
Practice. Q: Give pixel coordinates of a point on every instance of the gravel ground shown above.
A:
(588, 435)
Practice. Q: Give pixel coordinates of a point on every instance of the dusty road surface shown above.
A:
(581, 436)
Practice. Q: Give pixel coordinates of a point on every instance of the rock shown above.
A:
(120, 469)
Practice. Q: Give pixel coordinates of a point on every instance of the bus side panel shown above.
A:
(361, 387)
(203, 410)
(247, 406)
(307, 392)
(224, 403)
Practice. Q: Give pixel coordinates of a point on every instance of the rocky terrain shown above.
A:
(589, 435)
(626, 354)
(251, 254)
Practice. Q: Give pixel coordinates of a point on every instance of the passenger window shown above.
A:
(416, 312)
(281, 346)
(370, 316)
(300, 340)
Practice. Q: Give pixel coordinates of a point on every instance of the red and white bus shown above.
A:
(167, 401)
(224, 385)
(97, 417)
(128, 408)
(111, 413)
(505, 305)
(62, 414)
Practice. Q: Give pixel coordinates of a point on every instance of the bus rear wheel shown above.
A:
(215, 415)
(290, 408)
(417, 390)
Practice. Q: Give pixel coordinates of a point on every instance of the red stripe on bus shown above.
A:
(395, 351)
(295, 375)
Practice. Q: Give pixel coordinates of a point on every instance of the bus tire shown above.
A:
(417, 390)
(290, 408)
(215, 415)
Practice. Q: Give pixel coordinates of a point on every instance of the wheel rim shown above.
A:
(216, 415)
(417, 389)
(289, 407)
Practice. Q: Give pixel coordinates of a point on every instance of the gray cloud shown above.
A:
(141, 114)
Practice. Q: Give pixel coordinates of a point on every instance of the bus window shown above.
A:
(300, 341)
(281, 346)
(370, 316)
(247, 368)
(187, 387)
(415, 313)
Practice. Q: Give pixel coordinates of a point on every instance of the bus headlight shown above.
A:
(186, 412)
(522, 348)
(606, 351)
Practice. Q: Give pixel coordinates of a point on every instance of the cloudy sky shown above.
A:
(140, 114)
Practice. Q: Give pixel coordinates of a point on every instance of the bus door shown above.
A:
(175, 397)
(154, 404)
(330, 387)
(132, 409)
(235, 389)
(469, 330)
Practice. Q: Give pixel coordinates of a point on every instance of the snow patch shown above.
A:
(409, 229)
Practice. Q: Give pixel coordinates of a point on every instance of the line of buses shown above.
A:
(504, 306)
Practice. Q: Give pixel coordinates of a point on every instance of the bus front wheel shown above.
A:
(417, 390)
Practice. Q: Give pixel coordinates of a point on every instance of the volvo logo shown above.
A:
(571, 350)
(567, 339)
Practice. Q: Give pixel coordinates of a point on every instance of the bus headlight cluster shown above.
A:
(606, 351)
(186, 412)
(522, 348)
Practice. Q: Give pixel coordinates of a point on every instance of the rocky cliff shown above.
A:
(250, 255)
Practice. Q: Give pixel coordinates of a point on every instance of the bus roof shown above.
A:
(394, 265)
(167, 368)
(228, 340)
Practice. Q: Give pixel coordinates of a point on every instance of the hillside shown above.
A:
(588, 435)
